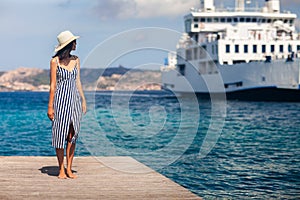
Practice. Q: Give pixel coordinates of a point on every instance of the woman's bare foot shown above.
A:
(62, 175)
(71, 175)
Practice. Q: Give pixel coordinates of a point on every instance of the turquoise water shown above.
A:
(255, 155)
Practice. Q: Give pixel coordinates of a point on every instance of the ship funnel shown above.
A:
(273, 6)
(239, 5)
(207, 5)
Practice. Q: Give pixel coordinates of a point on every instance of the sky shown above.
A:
(29, 27)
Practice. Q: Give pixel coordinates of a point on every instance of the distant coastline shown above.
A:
(110, 79)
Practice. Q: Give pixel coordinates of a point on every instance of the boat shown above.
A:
(245, 52)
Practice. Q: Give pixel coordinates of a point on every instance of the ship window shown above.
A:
(263, 48)
(254, 19)
(237, 84)
(298, 47)
(229, 19)
(196, 38)
(181, 69)
(196, 25)
(254, 48)
(285, 21)
(222, 19)
(248, 19)
(281, 48)
(238, 61)
(263, 21)
(227, 48)
(209, 19)
(196, 19)
(242, 19)
(235, 19)
(236, 48)
(272, 48)
(290, 48)
(202, 19)
(291, 21)
(245, 48)
(268, 59)
(216, 19)
(269, 20)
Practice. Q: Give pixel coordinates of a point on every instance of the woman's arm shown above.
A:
(79, 86)
(53, 66)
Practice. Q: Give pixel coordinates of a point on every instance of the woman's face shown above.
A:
(74, 45)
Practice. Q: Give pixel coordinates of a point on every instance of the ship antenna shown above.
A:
(201, 4)
(222, 4)
(239, 5)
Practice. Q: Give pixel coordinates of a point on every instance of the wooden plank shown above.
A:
(98, 178)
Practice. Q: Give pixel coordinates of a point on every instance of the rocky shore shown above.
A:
(119, 78)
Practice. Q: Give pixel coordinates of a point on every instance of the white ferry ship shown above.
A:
(253, 51)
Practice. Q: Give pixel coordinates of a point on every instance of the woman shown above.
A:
(66, 101)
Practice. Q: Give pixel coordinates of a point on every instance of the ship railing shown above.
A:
(230, 9)
(280, 56)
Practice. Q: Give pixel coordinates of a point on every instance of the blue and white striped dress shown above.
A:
(67, 106)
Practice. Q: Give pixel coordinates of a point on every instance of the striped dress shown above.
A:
(67, 106)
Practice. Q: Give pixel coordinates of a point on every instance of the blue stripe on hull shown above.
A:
(259, 94)
(266, 94)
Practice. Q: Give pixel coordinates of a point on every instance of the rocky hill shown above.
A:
(119, 78)
(28, 79)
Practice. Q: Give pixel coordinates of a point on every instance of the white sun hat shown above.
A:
(64, 38)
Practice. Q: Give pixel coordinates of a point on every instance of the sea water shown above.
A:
(250, 151)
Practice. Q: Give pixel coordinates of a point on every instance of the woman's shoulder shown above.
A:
(54, 60)
(74, 57)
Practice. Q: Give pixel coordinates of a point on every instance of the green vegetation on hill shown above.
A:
(39, 79)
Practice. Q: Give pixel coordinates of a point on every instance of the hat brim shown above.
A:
(60, 47)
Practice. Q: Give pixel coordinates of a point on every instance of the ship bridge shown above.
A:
(241, 34)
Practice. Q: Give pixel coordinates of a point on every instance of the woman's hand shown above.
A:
(84, 106)
(50, 113)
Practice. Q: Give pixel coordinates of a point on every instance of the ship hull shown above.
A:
(277, 81)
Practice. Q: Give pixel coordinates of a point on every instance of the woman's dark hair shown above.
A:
(64, 52)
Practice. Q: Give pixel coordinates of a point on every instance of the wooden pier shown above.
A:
(36, 178)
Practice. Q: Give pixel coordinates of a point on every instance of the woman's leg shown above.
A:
(60, 159)
(70, 152)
